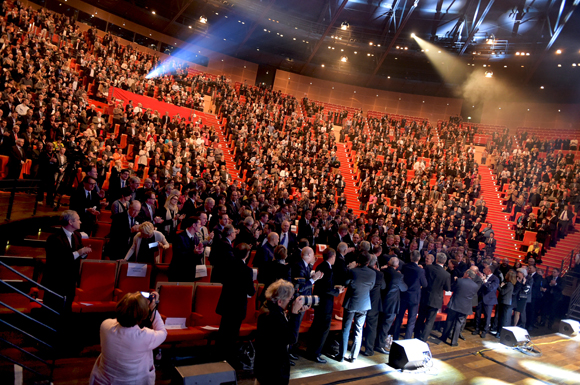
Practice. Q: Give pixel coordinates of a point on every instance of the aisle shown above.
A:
(346, 170)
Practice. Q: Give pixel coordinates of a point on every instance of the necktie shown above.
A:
(89, 195)
(283, 239)
(122, 183)
(132, 221)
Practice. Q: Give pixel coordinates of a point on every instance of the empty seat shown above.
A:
(126, 284)
(97, 246)
(175, 302)
(97, 287)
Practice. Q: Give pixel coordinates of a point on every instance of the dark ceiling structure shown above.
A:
(529, 43)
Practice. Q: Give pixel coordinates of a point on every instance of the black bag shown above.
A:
(247, 354)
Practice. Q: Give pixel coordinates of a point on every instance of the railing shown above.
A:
(11, 286)
(574, 307)
(14, 185)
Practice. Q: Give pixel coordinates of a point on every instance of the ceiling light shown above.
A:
(343, 59)
(413, 35)
(573, 64)
(344, 26)
(153, 12)
(190, 26)
(371, 43)
(559, 65)
(355, 54)
(368, 54)
(517, 54)
(558, 52)
(527, 54)
(488, 74)
(378, 45)
(322, 65)
(203, 19)
(542, 87)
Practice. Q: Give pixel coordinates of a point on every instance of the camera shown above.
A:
(310, 300)
(147, 295)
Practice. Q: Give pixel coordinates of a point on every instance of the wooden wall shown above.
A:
(545, 115)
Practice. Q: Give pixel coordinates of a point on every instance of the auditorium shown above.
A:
(269, 192)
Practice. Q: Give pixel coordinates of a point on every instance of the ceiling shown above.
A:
(516, 39)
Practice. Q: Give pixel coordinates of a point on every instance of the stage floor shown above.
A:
(485, 362)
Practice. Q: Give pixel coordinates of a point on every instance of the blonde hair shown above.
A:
(168, 204)
(146, 229)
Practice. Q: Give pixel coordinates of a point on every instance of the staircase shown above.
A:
(347, 172)
(228, 153)
(503, 227)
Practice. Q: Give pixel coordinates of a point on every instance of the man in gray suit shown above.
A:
(357, 302)
(460, 305)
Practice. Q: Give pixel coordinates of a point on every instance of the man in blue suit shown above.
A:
(414, 277)
(357, 302)
(487, 299)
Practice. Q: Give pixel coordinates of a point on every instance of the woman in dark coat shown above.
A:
(275, 332)
(504, 301)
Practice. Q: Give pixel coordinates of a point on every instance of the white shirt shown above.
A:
(69, 237)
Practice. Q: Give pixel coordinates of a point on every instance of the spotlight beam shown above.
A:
(185, 6)
(321, 40)
(476, 27)
(393, 41)
(253, 28)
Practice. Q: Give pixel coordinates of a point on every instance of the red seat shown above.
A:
(204, 305)
(97, 246)
(207, 278)
(103, 229)
(250, 322)
(127, 284)
(175, 302)
(529, 238)
(97, 287)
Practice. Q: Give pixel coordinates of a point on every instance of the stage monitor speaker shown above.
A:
(569, 327)
(514, 336)
(216, 373)
(409, 354)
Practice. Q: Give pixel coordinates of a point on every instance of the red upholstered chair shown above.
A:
(204, 305)
(127, 284)
(123, 143)
(162, 268)
(175, 302)
(207, 278)
(103, 229)
(3, 166)
(529, 238)
(97, 246)
(96, 289)
(105, 217)
(250, 322)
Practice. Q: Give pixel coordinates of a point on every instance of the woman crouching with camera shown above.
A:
(275, 332)
(126, 348)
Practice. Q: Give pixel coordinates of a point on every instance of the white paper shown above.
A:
(86, 304)
(84, 235)
(448, 293)
(175, 323)
(255, 274)
(200, 271)
(137, 270)
(212, 328)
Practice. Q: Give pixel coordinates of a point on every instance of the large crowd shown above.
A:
(422, 231)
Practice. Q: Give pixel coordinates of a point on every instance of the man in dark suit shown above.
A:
(274, 270)
(414, 277)
(187, 252)
(340, 266)
(86, 202)
(288, 239)
(265, 252)
(64, 251)
(372, 319)
(460, 305)
(238, 285)
(438, 280)
(116, 184)
(357, 302)
(564, 219)
(301, 273)
(537, 282)
(222, 253)
(487, 299)
(390, 302)
(552, 290)
(340, 236)
(326, 291)
(304, 228)
(124, 226)
(189, 206)
(16, 159)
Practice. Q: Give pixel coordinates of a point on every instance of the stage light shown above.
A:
(322, 65)
(559, 65)
(343, 59)
(517, 54)
(568, 326)
(488, 74)
(153, 12)
(558, 52)
(203, 19)
(190, 27)
(370, 43)
(542, 87)
(344, 26)
(413, 35)
(573, 64)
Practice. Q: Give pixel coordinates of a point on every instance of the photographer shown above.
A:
(126, 348)
(275, 332)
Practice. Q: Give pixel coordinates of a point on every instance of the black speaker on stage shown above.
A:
(569, 327)
(409, 354)
(216, 373)
(513, 336)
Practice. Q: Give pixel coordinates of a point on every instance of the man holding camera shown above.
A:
(326, 291)
(357, 302)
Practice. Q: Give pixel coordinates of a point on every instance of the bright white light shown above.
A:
(203, 19)
(344, 59)
(558, 52)
(153, 12)
(413, 35)
(551, 372)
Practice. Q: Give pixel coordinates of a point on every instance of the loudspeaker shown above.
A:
(513, 336)
(569, 327)
(409, 354)
(217, 373)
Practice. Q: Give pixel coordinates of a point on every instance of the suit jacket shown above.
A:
(340, 270)
(237, 286)
(62, 269)
(14, 162)
(221, 255)
(488, 291)
(145, 215)
(79, 203)
(121, 237)
(272, 271)
(360, 281)
(438, 281)
(391, 296)
(537, 284)
(188, 208)
(184, 260)
(376, 290)
(300, 270)
(264, 254)
(414, 277)
(464, 291)
(304, 230)
(324, 287)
